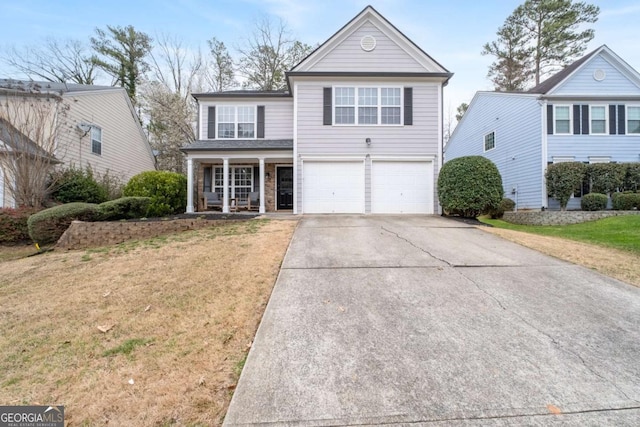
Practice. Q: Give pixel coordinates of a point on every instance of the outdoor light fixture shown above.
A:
(268, 175)
(368, 141)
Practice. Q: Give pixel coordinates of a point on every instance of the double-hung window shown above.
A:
(598, 114)
(490, 141)
(633, 119)
(236, 122)
(367, 106)
(96, 140)
(562, 124)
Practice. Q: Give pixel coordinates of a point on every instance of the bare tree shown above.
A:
(220, 73)
(31, 122)
(67, 61)
(268, 54)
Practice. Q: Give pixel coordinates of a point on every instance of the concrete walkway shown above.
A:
(424, 320)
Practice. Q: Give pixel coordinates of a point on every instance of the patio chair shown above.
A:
(253, 201)
(212, 200)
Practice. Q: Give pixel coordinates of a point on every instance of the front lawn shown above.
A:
(621, 232)
(151, 332)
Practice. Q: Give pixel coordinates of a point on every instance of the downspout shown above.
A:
(544, 142)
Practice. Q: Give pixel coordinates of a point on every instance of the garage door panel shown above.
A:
(401, 187)
(333, 187)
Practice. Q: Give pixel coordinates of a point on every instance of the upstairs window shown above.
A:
(96, 140)
(236, 122)
(598, 119)
(633, 120)
(490, 141)
(367, 106)
(562, 122)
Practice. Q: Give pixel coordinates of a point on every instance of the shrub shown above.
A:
(563, 179)
(606, 178)
(47, 226)
(506, 205)
(632, 177)
(77, 185)
(13, 224)
(123, 208)
(469, 186)
(625, 201)
(594, 202)
(167, 190)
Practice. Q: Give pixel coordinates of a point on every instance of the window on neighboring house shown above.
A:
(598, 115)
(633, 120)
(236, 122)
(562, 119)
(367, 106)
(96, 140)
(490, 141)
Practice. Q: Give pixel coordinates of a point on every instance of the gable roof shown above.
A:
(560, 77)
(430, 65)
(35, 87)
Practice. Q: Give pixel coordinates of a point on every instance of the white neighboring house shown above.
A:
(103, 130)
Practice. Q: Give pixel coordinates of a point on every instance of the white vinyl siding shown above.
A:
(598, 123)
(562, 119)
(367, 106)
(633, 119)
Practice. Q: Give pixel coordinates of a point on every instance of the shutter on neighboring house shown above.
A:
(211, 123)
(585, 119)
(576, 120)
(613, 119)
(549, 119)
(260, 131)
(408, 106)
(326, 110)
(621, 120)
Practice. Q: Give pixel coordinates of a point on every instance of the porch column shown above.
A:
(189, 185)
(262, 210)
(225, 185)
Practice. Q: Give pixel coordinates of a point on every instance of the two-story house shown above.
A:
(589, 112)
(359, 130)
(94, 126)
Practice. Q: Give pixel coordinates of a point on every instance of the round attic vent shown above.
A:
(368, 43)
(599, 74)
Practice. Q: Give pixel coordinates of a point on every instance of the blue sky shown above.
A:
(451, 31)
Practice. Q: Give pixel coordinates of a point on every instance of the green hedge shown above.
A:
(167, 190)
(46, 227)
(123, 208)
(77, 185)
(607, 178)
(563, 179)
(469, 186)
(506, 205)
(625, 201)
(632, 177)
(594, 202)
(13, 224)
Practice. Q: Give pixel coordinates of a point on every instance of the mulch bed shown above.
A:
(469, 221)
(209, 216)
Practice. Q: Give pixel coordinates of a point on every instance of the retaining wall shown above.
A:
(81, 235)
(559, 217)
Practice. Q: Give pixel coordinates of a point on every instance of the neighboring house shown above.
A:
(589, 112)
(358, 131)
(101, 129)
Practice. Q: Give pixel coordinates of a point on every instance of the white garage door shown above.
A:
(333, 187)
(401, 187)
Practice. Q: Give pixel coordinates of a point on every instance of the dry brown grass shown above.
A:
(611, 262)
(11, 252)
(186, 306)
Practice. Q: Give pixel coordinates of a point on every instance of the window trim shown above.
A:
(235, 120)
(91, 139)
(484, 141)
(356, 105)
(232, 179)
(606, 119)
(555, 119)
(626, 119)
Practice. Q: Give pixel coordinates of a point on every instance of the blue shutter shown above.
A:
(621, 120)
(576, 119)
(549, 119)
(585, 119)
(613, 119)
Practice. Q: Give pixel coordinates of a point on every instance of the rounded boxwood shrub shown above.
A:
(506, 205)
(469, 186)
(46, 227)
(13, 224)
(167, 191)
(563, 179)
(632, 177)
(123, 208)
(606, 178)
(594, 202)
(77, 185)
(625, 201)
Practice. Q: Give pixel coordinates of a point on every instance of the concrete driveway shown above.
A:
(385, 319)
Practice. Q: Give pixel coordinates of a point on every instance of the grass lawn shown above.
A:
(621, 232)
(151, 332)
